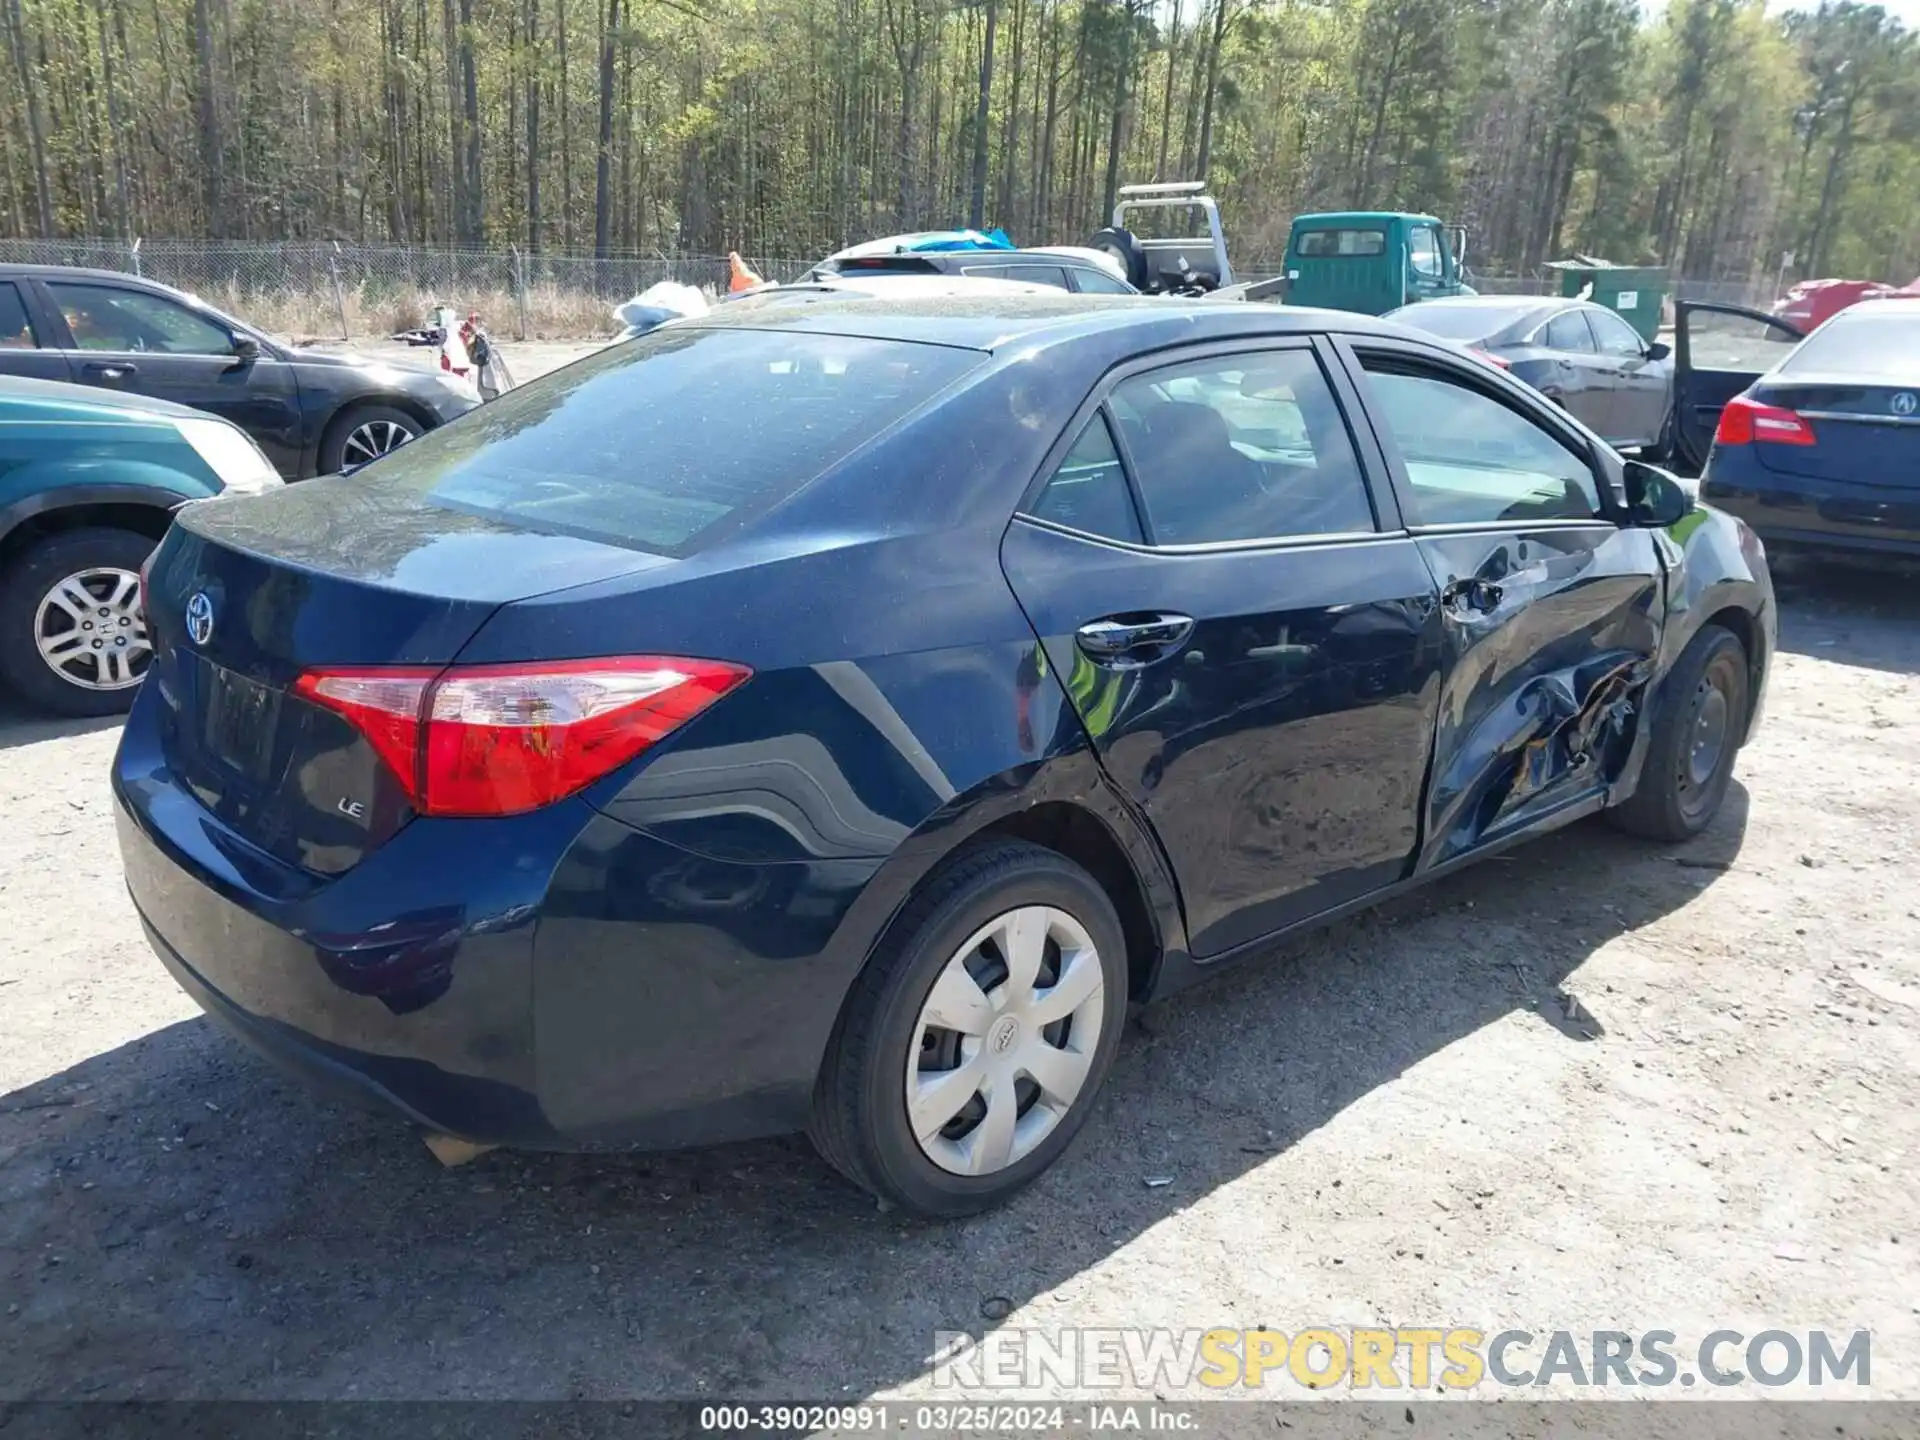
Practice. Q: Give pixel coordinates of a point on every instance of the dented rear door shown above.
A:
(1551, 611)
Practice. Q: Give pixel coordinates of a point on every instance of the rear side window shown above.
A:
(1472, 461)
(1089, 490)
(1052, 275)
(1241, 447)
(656, 442)
(1317, 244)
(16, 331)
(1568, 331)
(1883, 349)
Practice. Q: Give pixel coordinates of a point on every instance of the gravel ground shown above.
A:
(1398, 1121)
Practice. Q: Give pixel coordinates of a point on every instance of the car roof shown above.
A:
(88, 397)
(982, 322)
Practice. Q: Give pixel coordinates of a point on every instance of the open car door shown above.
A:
(1718, 351)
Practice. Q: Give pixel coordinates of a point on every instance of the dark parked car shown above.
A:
(1581, 355)
(88, 485)
(1822, 449)
(836, 715)
(311, 411)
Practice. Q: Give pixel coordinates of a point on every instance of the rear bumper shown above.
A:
(1786, 511)
(556, 981)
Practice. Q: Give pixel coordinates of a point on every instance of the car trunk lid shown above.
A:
(245, 596)
(1863, 434)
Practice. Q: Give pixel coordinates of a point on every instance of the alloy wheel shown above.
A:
(1005, 1040)
(372, 440)
(91, 631)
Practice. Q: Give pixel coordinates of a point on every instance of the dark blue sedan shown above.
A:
(1822, 450)
(835, 716)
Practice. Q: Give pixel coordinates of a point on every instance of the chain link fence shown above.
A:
(322, 288)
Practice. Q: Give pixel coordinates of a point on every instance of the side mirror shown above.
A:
(1657, 498)
(1659, 350)
(246, 349)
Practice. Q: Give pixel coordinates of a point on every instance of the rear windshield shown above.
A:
(1461, 322)
(1859, 344)
(1315, 244)
(656, 442)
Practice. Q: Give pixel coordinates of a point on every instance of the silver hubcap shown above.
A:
(1005, 1040)
(372, 440)
(1709, 736)
(91, 631)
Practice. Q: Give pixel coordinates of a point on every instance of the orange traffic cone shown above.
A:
(743, 277)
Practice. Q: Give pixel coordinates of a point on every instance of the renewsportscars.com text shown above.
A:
(1409, 1358)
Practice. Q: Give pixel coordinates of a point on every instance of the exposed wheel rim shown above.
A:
(1709, 740)
(372, 440)
(91, 631)
(1005, 1040)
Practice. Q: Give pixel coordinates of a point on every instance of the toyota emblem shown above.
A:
(200, 618)
(1905, 403)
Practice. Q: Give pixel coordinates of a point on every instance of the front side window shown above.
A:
(1241, 447)
(1568, 332)
(1098, 282)
(1089, 490)
(16, 330)
(1471, 460)
(1423, 252)
(106, 317)
(1615, 336)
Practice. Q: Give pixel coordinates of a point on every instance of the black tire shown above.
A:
(1675, 800)
(860, 1124)
(1124, 246)
(28, 582)
(333, 445)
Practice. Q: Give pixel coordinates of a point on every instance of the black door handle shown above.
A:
(1126, 641)
(1476, 596)
(111, 369)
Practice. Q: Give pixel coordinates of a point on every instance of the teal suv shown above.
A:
(89, 484)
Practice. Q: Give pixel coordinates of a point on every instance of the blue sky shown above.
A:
(1907, 11)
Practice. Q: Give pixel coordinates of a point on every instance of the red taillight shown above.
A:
(1745, 421)
(502, 739)
(1496, 360)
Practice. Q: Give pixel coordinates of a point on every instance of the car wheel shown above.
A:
(970, 1049)
(73, 638)
(1697, 732)
(365, 433)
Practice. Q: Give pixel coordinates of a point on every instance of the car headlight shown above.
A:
(234, 459)
(458, 384)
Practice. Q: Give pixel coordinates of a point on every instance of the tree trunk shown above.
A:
(212, 186)
(977, 196)
(603, 157)
(1166, 105)
(563, 108)
(474, 222)
(532, 19)
(1213, 88)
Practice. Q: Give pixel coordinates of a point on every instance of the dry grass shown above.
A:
(551, 313)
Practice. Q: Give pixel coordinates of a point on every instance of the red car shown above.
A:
(1811, 302)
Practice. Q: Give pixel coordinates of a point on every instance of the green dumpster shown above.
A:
(1635, 292)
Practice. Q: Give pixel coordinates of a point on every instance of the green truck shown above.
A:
(1372, 261)
(1167, 239)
